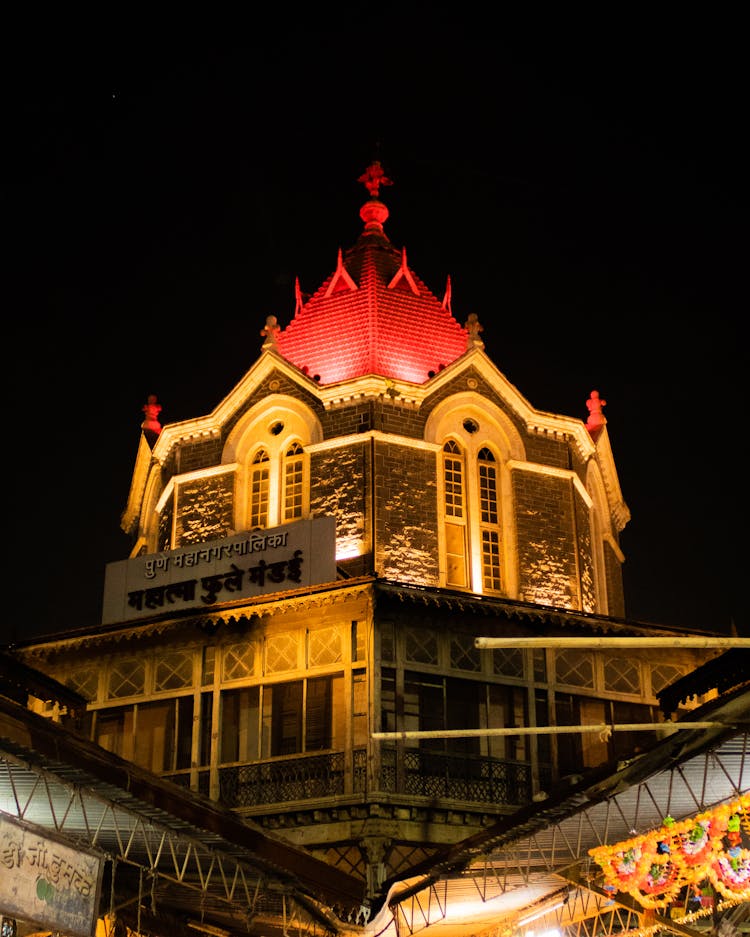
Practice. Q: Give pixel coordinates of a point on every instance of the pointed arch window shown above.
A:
(454, 485)
(293, 469)
(260, 480)
(489, 526)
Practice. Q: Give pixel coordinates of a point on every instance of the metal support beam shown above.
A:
(603, 728)
(593, 642)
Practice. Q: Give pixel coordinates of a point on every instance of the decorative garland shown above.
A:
(648, 927)
(703, 852)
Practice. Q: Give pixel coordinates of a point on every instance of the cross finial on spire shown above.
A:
(373, 177)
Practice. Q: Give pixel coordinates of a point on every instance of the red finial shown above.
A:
(596, 416)
(373, 178)
(151, 409)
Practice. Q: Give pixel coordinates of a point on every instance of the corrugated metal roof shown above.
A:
(59, 781)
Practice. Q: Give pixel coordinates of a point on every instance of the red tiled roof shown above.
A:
(373, 315)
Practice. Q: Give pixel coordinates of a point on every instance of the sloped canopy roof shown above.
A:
(208, 869)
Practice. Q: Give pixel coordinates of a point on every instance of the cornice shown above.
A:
(242, 611)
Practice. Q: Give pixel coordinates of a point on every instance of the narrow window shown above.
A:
(286, 718)
(319, 714)
(259, 484)
(455, 515)
(239, 732)
(293, 471)
(488, 519)
(155, 736)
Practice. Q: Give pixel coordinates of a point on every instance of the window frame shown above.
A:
(481, 528)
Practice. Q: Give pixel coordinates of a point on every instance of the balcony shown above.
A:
(408, 772)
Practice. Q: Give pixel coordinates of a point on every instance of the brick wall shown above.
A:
(406, 522)
(547, 562)
(339, 486)
(204, 509)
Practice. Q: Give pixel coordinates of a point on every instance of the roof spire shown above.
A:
(447, 297)
(373, 212)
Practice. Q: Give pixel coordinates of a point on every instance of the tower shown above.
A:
(294, 634)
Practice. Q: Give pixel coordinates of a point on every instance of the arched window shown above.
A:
(454, 485)
(270, 445)
(472, 518)
(276, 486)
(489, 526)
(259, 483)
(293, 469)
(477, 448)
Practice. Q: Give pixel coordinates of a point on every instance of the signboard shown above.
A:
(206, 575)
(47, 883)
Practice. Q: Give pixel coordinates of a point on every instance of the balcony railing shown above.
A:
(455, 777)
(275, 782)
(408, 772)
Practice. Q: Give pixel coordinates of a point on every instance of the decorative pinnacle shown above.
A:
(270, 332)
(373, 177)
(596, 415)
(151, 410)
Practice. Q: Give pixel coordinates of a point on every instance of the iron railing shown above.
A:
(275, 782)
(456, 777)
(411, 772)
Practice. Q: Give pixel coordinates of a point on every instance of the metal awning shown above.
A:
(175, 859)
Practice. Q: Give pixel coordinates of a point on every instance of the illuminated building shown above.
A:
(295, 634)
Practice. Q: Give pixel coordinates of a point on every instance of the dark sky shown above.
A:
(580, 184)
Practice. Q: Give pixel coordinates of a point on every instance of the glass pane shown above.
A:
(622, 675)
(325, 646)
(259, 495)
(281, 652)
(127, 678)
(455, 555)
(662, 675)
(238, 661)
(488, 493)
(507, 662)
(464, 656)
(453, 479)
(421, 646)
(491, 560)
(574, 667)
(293, 483)
(174, 671)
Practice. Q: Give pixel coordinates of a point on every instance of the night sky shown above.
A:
(164, 187)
